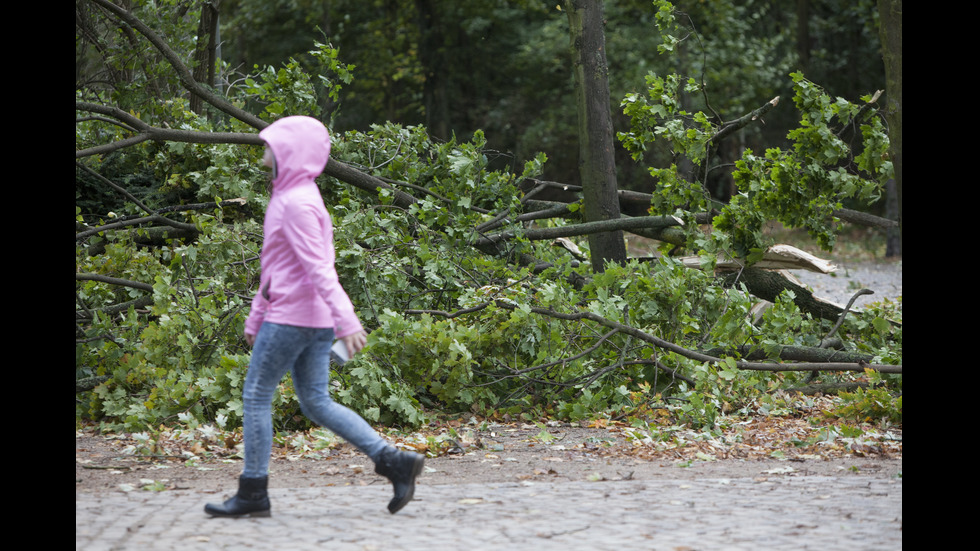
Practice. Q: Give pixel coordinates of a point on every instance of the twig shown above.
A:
(840, 320)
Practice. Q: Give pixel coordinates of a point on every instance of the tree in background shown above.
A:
(597, 161)
(891, 41)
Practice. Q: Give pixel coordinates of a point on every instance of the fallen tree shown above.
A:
(763, 279)
(484, 264)
(817, 359)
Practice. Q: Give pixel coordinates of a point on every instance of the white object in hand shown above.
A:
(338, 354)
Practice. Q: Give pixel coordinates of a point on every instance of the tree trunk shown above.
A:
(432, 57)
(204, 53)
(893, 243)
(890, 31)
(597, 164)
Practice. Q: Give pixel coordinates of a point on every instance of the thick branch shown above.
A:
(680, 350)
(183, 73)
(187, 228)
(769, 285)
(806, 354)
(141, 302)
(655, 222)
(334, 168)
(349, 175)
(811, 366)
(114, 281)
(864, 219)
(635, 203)
(148, 132)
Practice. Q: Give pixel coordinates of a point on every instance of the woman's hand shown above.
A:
(355, 343)
(250, 339)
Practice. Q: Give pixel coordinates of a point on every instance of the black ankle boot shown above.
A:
(252, 500)
(401, 468)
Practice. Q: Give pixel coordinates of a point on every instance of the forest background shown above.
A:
(455, 176)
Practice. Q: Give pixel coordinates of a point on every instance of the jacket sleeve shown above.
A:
(255, 316)
(309, 232)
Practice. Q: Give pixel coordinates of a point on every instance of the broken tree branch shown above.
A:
(741, 122)
(768, 285)
(585, 229)
(858, 366)
(114, 281)
(183, 73)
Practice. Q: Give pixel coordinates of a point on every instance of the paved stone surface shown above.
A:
(885, 279)
(855, 513)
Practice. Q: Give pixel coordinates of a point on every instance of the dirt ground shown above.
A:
(506, 453)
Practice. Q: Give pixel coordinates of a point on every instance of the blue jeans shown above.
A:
(305, 351)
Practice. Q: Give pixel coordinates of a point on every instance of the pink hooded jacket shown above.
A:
(299, 284)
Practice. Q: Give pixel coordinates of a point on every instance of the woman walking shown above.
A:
(299, 310)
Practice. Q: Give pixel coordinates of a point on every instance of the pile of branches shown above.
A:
(541, 200)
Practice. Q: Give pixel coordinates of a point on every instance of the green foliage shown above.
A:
(292, 89)
(660, 116)
(802, 186)
(282, 91)
(453, 329)
(880, 402)
(837, 152)
(333, 74)
(187, 355)
(876, 404)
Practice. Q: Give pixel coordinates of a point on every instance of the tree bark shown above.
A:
(88, 383)
(890, 31)
(798, 354)
(597, 165)
(588, 228)
(432, 57)
(768, 286)
(204, 52)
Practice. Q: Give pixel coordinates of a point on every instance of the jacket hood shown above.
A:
(301, 147)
